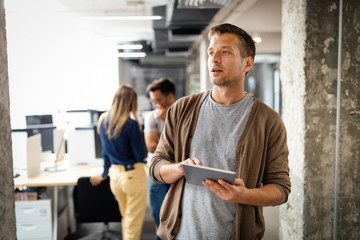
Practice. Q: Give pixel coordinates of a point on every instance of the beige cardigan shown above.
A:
(261, 158)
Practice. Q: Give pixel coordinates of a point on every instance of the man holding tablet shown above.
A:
(228, 129)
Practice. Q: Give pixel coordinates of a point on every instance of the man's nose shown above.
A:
(216, 58)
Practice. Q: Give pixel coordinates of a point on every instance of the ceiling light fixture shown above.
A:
(131, 54)
(122, 18)
(257, 38)
(129, 46)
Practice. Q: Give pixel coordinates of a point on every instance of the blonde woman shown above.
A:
(124, 151)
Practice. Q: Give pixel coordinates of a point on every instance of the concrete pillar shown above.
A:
(7, 206)
(205, 82)
(309, 65)
(124, 72)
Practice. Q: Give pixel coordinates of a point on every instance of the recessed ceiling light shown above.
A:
(131, 54)
(122, 18)
(257, 39)
(129, 46)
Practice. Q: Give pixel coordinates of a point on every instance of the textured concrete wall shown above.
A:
(7, 212)
(320, 117)
(348, 226)
(309, 80)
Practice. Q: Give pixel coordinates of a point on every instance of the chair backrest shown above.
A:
(95, 203)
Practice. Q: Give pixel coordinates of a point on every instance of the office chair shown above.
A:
(96, 204)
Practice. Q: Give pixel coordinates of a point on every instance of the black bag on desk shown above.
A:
(95, 203)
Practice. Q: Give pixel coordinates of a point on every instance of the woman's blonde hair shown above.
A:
(124, 103)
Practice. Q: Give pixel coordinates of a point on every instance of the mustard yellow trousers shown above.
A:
(130, 191)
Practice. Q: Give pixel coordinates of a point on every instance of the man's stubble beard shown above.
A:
(224, 82)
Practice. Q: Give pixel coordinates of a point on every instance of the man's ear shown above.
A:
(249, 62)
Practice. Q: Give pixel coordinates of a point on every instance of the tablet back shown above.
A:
(195, 174)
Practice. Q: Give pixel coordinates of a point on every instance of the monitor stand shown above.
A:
(59, 153)
(56, 168)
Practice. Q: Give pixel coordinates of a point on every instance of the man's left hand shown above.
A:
(268, 195)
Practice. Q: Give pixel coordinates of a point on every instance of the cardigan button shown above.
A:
(173, 233)
(180, 215)
(187, 156)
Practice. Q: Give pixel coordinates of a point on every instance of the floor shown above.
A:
(271, 215)
(85, 230)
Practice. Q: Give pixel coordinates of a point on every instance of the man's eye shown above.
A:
(225, 52)
(211, 53)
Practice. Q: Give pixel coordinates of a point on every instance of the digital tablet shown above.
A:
(195, 174)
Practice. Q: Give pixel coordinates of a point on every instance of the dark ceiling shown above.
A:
(175, 34)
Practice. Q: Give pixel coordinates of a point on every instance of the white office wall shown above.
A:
(56, 61)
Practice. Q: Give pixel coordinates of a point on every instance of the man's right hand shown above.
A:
(161, 113)
(171, 172)
(193, 161)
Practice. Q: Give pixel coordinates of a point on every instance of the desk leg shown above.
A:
(55, 212)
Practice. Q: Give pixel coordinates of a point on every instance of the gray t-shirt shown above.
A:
(153, 123)
(217, 133)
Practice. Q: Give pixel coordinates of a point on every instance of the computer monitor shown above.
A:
(33, 155)
(38, 119)
(42, 124)
(26, 152)
(59, 144)
(81, 146)
(59, 151)
(98, 146)
(47, 136)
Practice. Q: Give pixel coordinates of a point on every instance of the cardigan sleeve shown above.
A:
(165, 150)
(174, 144)
(277, 168)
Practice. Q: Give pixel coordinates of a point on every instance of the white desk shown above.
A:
(68, 177)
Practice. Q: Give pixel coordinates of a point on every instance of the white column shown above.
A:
(205, 83)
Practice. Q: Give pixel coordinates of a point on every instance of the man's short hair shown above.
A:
(165, 86)
(246, 43)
